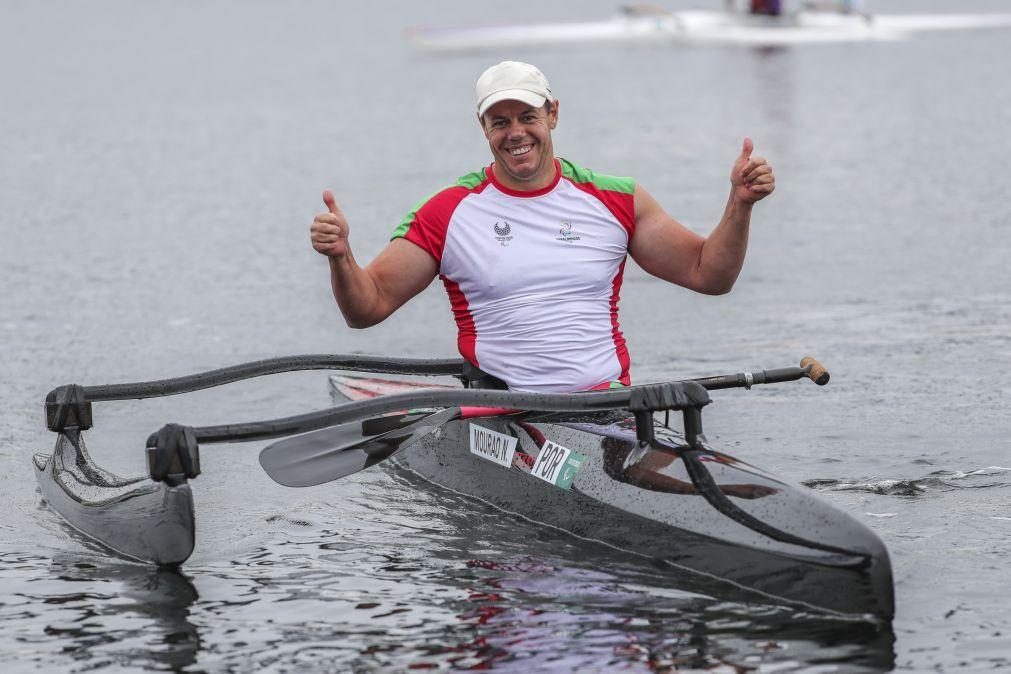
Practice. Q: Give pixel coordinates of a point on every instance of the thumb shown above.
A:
(330, 202)
(746, 148)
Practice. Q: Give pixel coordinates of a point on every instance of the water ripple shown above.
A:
(981, 478)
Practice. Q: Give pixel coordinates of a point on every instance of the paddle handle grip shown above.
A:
(809, 368)
(816, 371)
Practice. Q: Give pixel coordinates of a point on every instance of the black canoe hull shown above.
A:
(651, 508)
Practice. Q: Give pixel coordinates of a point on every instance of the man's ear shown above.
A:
(553, 117)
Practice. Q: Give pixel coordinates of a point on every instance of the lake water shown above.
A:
(161, 163)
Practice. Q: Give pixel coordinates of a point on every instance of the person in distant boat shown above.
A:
(532, 248)
(766, 7)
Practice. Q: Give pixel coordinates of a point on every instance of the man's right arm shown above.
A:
(368, 295)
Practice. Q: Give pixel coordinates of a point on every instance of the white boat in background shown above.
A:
(643, 24)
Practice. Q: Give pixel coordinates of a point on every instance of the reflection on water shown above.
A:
(648, 471)
(101, 614)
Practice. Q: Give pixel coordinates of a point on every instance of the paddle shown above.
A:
(337, 442)
(331, 453)
(334, 452)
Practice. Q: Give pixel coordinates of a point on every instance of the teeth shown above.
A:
(517, 151)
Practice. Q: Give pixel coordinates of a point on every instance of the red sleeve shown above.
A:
(426, 225)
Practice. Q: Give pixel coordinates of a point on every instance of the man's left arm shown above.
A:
(667, 249)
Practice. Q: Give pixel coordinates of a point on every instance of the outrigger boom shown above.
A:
(151, 519)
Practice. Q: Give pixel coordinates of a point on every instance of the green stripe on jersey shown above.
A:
(470, 181)
(578, 174)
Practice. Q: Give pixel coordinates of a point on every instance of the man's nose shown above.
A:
(516, 129)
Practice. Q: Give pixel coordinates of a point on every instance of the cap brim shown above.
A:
(522, 95)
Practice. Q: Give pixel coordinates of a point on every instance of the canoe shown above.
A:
(579, 474)
(600, 466)
(703, 27)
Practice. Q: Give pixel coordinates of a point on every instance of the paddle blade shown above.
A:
(331, 453)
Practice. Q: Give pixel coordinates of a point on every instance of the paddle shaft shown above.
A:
(594, 401)
(174, 450)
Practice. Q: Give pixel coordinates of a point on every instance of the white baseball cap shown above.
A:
(511, 81)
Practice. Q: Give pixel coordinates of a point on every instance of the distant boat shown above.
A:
(648, 23)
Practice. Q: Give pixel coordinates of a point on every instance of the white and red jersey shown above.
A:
(533, 277)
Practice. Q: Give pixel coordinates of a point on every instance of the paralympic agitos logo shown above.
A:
(502, 230)
(566, 233)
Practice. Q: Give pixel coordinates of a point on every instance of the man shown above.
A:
(532, 248)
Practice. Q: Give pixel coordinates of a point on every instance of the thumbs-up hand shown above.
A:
(329, 231)
(751, 177)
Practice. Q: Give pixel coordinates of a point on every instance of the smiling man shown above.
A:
(532, 248)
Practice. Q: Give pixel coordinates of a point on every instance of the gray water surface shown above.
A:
(160, 165)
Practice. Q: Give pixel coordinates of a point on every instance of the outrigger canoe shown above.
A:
(604, 466)
(698, 26)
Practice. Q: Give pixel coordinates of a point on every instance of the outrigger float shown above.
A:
(599, 465)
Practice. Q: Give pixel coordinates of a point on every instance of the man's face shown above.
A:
(519, 136)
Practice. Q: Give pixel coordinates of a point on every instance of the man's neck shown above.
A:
(541, 182)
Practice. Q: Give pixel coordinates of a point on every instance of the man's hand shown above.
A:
(329, 231)
(752, 178)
